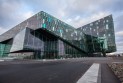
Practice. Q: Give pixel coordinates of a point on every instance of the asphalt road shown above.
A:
(65, 71)
(58, 71)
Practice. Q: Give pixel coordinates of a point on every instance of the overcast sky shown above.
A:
(73, 12)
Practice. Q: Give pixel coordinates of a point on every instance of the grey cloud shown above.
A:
(119, 39)
(116, 6)
(89, 7)
(8, 10)
(11, 10)
(120, 43)
(118, 23)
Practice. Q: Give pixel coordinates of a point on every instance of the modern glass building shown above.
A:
(44, 36)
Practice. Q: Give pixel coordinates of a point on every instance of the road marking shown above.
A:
(91, 75)
(1, 60)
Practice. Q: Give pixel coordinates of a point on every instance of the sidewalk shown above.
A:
(107, 76)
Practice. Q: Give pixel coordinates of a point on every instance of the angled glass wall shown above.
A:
(18, 41)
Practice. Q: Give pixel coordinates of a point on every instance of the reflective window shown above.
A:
(94, 29)
(109, 35)
(91, 24)
(43, 20)
(44, 25)
(53, 29)
(106, 26)
(96, 23)
(106, 20)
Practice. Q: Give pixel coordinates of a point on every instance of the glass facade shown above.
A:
(48, 37)
(46, 45)
(5, 47)
(101, 31)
